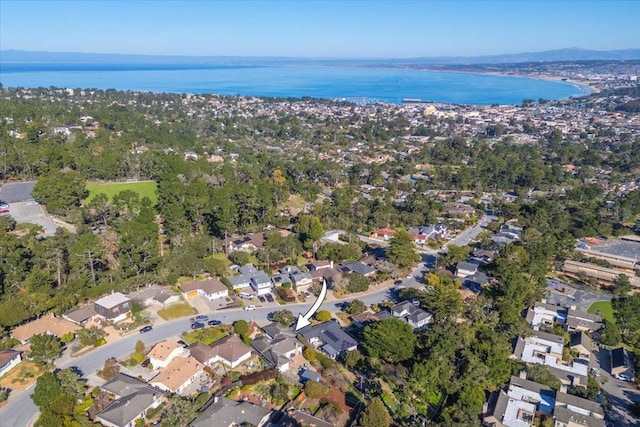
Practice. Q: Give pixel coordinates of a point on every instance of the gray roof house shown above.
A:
(134, 399)
(416, 317)
(278, 346)
(359, 267)
(329, 337)
(225, 412)
(240, 282)
(114, 307)
(261, 283)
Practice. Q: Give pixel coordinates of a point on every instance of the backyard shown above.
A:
(22, 376)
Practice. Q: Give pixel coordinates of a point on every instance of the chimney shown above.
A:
(523, 374)
(331, 264)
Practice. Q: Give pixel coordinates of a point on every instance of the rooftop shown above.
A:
(112, 300)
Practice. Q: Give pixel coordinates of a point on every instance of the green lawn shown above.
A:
(606, 311)
(206, 335)
(176, 311)
(143, 188)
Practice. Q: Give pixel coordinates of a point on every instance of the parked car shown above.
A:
(250, 307)
(261, 298)
(199, 318)
(397, 282)
(197, 325)
(623, 377)
(146, 329)
(145, 363)
(214, 323)
(269, 298)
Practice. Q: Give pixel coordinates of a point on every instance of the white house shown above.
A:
(261, 283)
(164, 352)
(211, 289)
(8, 360)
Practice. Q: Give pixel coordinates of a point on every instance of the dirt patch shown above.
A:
(22, 376)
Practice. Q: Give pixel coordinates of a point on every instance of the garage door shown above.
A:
(192, 294)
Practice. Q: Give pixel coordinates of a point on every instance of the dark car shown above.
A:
(182, 343)
(197, 325)
(397, 282)
(145, 363)
(199, 317)
(214, 323)
(146, 329)
(269, 298)
(261, 298)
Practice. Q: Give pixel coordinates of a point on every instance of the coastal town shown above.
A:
(481, 263)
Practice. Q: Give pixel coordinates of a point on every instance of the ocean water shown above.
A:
(350, 83)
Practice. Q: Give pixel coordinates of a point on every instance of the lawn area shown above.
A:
(177, 311)
(206, 335)
(143, 188)
(606, 311)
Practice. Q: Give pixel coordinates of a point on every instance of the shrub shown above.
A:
(68, 337)
(357, 283)
(260, 376)
(138, 357)
(309, 354)
(315, 390)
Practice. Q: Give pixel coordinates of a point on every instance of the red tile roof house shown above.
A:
(384, 233)
(211, 288)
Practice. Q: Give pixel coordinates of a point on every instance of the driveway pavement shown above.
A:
(32, 213)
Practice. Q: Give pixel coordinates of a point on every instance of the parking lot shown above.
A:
(32, 213)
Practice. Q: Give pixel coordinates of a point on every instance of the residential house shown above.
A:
(202, 353)
(546, 349)
(230, 350)
(163, 352)
(295, 276)
(248, 243)
(583, 321)
(211, 289)
(241, 281)
(438, 231)
(331, 236)
(573, 411)
(320, 265)
(460, 210)
(619, 361)
(519, 404)
(582, 344)
(156, 296)
(179, 374)
(261, 283)
(416, 317)
(114, 307)
(330, 338)
(546, 314)
(278, 346)
(383, 233)
(225, 412)
(49, 324)
(8, 360)
(134, 399)
(363, 319)
(466, 268)
(329, 275)
(304, 419)
(358, 267)
(80, 316)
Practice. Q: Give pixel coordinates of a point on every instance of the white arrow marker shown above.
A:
(304, 320)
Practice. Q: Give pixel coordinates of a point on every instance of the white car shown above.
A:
(250, 307)
(623, 377)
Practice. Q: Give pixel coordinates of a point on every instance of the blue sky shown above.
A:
(318, 28)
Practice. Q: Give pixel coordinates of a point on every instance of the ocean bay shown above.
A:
(361, 84)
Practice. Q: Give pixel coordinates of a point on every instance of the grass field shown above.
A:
(176, 311)
(606, 311)
(143, 188)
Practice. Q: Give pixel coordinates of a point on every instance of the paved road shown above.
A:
(21, 410)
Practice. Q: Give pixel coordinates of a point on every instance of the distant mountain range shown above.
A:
(569, 54)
